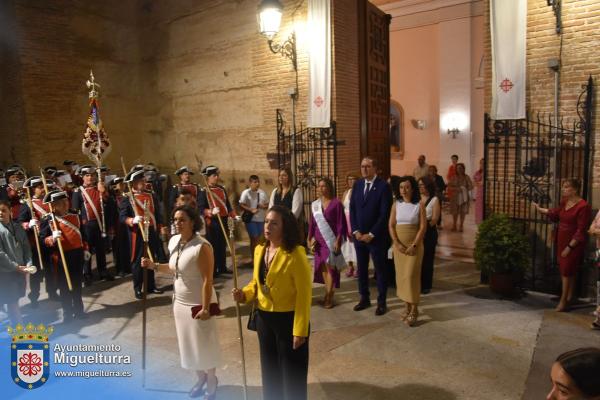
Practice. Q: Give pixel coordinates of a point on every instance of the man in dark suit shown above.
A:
(369, 213)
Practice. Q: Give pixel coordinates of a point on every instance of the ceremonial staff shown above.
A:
(132, 202)
(95, 141)
(231, 226)
(58, 240)
(36, 229)
(145, 229)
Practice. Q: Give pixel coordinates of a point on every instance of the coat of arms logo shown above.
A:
(30, 355)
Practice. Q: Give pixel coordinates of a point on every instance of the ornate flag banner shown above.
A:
(95, 143)
(319, 54)
(508, 20)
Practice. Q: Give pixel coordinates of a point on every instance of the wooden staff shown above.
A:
(36, 229)
(144, 228)
(231, 226)
(58, 240)
(132, 202)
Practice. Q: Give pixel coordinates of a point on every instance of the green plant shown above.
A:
(500, 247)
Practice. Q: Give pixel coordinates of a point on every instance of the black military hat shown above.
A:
(33, 181)
(59, 172)
(55, 195)
(78, 172)
(66, 163)
(13, 170)
(137, 167)
(87, 169)
(150, 167)
(134, 175)
(210, 170)
(50, 169)
(184, 169)
(116, 181)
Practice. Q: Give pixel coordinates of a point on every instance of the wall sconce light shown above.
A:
(419, 124)
(269, 19)
(453, 123)
(556, 7)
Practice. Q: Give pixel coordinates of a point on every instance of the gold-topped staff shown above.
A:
(145, 228)
(58, 240)
(231, 226)
(95, 142)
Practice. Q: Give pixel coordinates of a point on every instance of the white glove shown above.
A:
(87, 255)
(216, 211)
(238, 218)
(137, 219)
(56, 235)
(31, 269)
(33, 223)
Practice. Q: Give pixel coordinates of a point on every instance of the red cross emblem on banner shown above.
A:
(318, 101)
(506, 85)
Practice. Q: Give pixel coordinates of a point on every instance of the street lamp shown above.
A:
(269, 20)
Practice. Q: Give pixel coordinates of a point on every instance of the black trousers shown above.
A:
(214, 235)
(44, 273)
(136, 266)
(97, 246)
(429, 244)
(380, 261)
(71, 301)
(122, 249)
(284, 370)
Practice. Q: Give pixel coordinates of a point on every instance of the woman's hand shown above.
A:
(411, 251)
(566, 251)
(238, 295)
(203, 314)
(298, 341)
(398, 246)
(146, 263)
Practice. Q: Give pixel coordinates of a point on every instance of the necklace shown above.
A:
(268, 261)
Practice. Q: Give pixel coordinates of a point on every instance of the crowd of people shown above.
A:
(61, 219)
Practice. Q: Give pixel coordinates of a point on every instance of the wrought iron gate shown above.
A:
(527, 160)
(311, 153)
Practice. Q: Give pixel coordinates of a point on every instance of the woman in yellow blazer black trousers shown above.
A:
(282, 285)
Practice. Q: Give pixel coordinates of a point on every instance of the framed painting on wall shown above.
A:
(396, 130)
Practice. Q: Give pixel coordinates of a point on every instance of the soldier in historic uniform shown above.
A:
(13, 191)
(86, 201)
(29, 220)
(133, 216)
(73, 244)
(119, 232)
(213, 208)
(185, 183)
(71, 167)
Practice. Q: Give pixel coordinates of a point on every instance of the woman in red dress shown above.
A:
(573, 217)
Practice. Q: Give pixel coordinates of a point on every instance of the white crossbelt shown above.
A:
(88, 200)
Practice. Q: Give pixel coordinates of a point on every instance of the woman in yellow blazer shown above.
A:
(282, 285)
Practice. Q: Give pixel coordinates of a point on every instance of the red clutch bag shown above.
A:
(213, 309)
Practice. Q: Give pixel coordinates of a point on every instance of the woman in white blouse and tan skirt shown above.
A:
(191, 262)
(407, 226)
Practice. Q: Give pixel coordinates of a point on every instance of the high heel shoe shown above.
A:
(198, 390)
(411, 319)
(350, 272)
(213, 395)
(328, 303)
(405, 313)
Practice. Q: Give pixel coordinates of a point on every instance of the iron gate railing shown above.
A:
(528, 160)
(311, 153)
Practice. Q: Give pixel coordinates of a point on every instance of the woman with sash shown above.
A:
(348, 249)
(326, 229)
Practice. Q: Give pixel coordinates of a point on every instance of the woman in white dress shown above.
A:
(348, 246)
(191, 262)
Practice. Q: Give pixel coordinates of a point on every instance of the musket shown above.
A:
(58, 240)
(144, 228)
(230, 225)
(132, 202)
(36, 229)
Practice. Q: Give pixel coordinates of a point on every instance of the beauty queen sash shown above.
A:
(335, 260)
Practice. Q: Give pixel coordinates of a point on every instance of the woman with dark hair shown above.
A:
(348, 249)
(432, 211)
(460, 186)
(573, 217)
(192, 262)
(281, 285)
(325, 231)
(286, 194)
(576, 375)
(407, 226)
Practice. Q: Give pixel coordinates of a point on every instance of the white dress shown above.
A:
(348, 249)
(198, 342)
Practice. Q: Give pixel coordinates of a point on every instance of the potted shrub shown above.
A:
(502, 252)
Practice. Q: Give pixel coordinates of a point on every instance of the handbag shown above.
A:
(213, 309)
(247, 216)
(337, 260)
(252, 318)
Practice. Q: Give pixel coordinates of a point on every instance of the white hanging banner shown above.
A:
(319, 56)
(508, 20)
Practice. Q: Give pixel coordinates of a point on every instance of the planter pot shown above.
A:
(503, 284)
